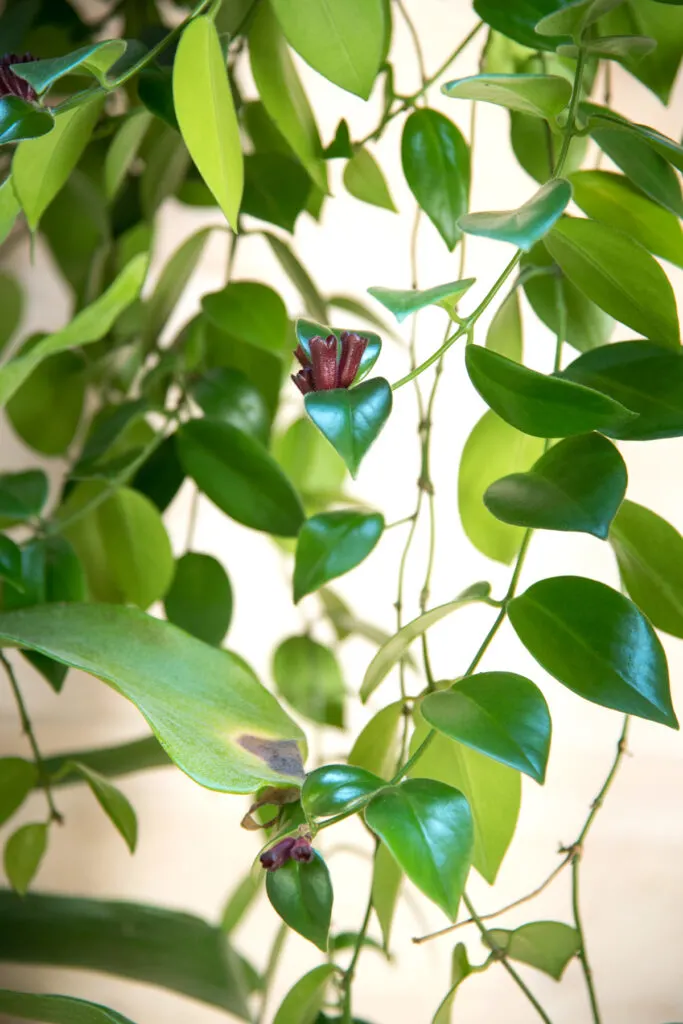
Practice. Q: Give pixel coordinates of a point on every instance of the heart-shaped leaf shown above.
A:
(597, 643)
(546, 945)
(363, 179)
(351, 419)
(404, 303)
(527, 225)
(500, 714)
(302, 896)
(307, 329)
(20, 120)
(644, 377)
(331, 544)
(427, 827)
(536, 404)
(335, 788)
(578, 485)
(541, 95)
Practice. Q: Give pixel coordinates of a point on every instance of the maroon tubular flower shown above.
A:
(304, 380)
(352, 349)
(324, 359)
(10, 83)
(278, 855)
(302, 851)
(324, 371)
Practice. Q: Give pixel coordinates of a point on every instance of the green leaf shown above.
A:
(536, 404)
(573, 19)
(276, 189)
(363, 179)
(360, 309)
(206, 114)
(305, 999)
(9, 207)
(386, 884)
(312, 466)
(160, 477)
(136, 756)
(251, 312)
(112, 801)
(658, 70)
(625, 49)
(23, 121)
(11, 303)
(46, 409)
(376, 746)
(645, 377)
(239, 476)
(537, 149)
(24, 851)
(216, 721)
(155, 90)
(427, 827)
(404, 303)
(89, 325)
(302, 896)
(95, 60)
(10, 562)
(200, 597)
(123, 150)
(649, 551)
(519, 21)
(307, 329)
(493, 449)
(460, 969)
(314, 303)
(57, 1009)
(541, 95)
(504, 335)
(240, 900)
(228, 395)
(282, 94)
(500, 714)
(17, 779)
(493, 792)
(611, 199)
(171, 284)
(351, 419)
(191, 957)
(308, 676)
(527, 225)
(597, 643)
(436, 165)
(22, 495)
(578, 485)
(618, 275)
(546, 945)
(335, 788)
(41, 167)
(166, 166)
(121, 542)
(640, 162)
(343, 41)
(332, 544)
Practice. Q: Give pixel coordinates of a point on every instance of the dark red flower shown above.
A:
(10, 83)
(298, 849)
(302, 851)
(332, 363)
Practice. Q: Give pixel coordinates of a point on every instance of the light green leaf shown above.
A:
(41, 166)
(112, 801)
(91, 324)
(123, 150)
(46, 409)
(304, 1001)
(404, 303)
(206, 114)
(57, 1009)
(24, 850)
(386, 885)
(216, 721)
(308, 676)
(9, 207)
(504, 335)
(342, 39)
(541, 95)
(314, 303)
(392, 652)
(308, 460)
(546, 945)
(460, 969)
(240, 900)
(96, 60)
(11, 300)
(376, 746)
(363, 178)
(527, 225)
(17, 779)
(171, 284)
(331, 544)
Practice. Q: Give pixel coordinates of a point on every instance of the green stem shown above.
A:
(271, 967)
(583, 958)
(351, 969)
(571, 116)
(416, 42)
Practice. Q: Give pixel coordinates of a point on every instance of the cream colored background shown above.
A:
(191, 849)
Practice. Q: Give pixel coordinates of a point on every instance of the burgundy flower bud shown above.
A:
(302, 851)
(301, 355)
(352, 349)
(324, 359)
(278, 855)
(304, 380)
(10, 83)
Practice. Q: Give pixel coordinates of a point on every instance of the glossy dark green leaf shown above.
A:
(546, 945)
(307, 329)
(578, 485)
(173, 950)
(640, 162)
(57, 1009)
(363, 179)
(645, 377)
(618, 275)
(276, 189)
(376, 747)
(500, 714)
(351, 419)
(10, 562)
(344, 42)
(160, 477)
(305, 999)
(46, 410)
(427, 827)
(24, 850)
(239, 476)
(11, 303)
(200, 597)
(541, 95)
(335, 788)
(597, 643)
(332, 544)
(404, 303)
(20, 120)
(527, 225)
(518, 21)
(206, 706)
(436, 165)
(537, 149)
(314, 303)
(536, 404)
(394, 649)
(17, 779)
(113, 802)
(649, 551)
(95, 60)
(302, 896)
(308, 676)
